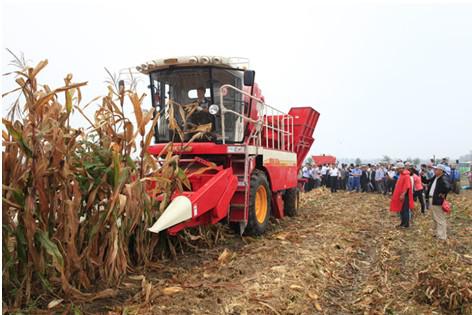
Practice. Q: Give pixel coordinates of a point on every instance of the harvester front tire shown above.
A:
(259, 204)
(291, 202)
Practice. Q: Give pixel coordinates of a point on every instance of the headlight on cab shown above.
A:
(214, 109)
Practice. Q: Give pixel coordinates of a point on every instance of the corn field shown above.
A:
(76, 202)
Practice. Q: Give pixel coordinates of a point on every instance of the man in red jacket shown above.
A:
(402, 198)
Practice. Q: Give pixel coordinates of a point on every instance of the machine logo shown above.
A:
(235, 149)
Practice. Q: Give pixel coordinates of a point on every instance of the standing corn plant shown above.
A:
(75, 203)
(40, 193)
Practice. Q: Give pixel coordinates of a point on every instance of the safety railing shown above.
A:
(273, 128)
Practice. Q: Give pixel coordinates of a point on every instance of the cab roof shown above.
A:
(202, 61)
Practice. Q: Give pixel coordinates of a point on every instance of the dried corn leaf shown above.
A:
(172, 290)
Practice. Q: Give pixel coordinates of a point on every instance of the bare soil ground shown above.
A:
(342, 255)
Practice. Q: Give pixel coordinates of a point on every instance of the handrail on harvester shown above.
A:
(284, 130)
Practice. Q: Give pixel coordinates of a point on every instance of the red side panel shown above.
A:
(281, 175)
(210, 199)
(305, 120)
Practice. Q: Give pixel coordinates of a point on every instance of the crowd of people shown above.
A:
(427, 184)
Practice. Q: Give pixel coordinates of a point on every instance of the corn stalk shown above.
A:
(77, 202)
(76, 206)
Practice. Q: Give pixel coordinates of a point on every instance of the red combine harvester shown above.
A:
(250, 152)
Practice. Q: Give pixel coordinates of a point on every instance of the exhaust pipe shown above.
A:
(179, 210)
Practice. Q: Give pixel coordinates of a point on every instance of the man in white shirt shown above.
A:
(334, 174)
(380, 179)
(437, 193)
(316, 175)
(324, 176)
(306, 174)
(391, 179)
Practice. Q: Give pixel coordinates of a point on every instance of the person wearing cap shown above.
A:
(447, 168)
(437, 192)
(402, 198)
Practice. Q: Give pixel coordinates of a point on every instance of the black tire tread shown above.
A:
(253, 226)
(291, 202)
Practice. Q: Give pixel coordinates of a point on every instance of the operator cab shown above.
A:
(185, 92)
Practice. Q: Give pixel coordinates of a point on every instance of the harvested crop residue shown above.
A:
(341, 255)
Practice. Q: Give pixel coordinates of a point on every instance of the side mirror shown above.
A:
(249, 76)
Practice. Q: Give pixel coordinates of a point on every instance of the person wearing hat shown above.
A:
(437, 192)
(402, 198)
(447, 168)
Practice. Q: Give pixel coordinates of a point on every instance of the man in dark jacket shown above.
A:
(372, 185)
(365, 179)
(438, 189)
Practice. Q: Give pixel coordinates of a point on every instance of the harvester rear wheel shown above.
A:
(291, 202)
(259, 204)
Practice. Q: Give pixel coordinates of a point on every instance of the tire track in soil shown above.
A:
(327, 260)
(341, 297)
(316, 262)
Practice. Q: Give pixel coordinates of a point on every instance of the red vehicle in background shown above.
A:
(324, 159)
(252, 152)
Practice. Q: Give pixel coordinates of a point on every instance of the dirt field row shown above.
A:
(341, 255)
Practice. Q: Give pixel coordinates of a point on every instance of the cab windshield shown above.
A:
(183, 96)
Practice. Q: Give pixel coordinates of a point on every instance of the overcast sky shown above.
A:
(389, 78)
